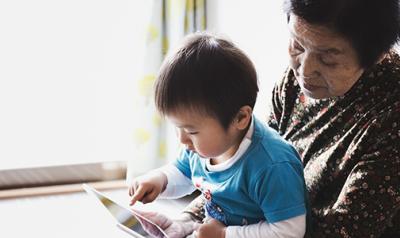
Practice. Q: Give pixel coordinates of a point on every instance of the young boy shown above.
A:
(251, 178)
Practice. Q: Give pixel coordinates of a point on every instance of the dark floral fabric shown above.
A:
(350, 147)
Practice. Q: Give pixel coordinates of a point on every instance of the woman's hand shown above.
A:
(172, 228)
(211, 229)
(147, 187)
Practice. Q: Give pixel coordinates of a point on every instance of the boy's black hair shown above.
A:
(206, 74)
(371, 26)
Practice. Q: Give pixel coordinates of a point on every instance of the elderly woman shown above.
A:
(339, 105)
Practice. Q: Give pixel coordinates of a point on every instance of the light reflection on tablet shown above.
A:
(124, 216)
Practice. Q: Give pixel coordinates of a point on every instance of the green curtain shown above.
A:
(171, 20)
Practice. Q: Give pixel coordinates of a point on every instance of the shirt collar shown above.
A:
(244, 145)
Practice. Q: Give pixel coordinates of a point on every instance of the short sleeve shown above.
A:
(280, 191)
(182, 163)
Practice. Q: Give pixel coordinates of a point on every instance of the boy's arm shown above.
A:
(167, 182)
(147, 187)
(280, 191)
(294, 227)
(178, 184)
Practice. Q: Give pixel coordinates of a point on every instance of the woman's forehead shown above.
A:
(316, 36)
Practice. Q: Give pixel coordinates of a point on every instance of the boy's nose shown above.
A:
(183, 138)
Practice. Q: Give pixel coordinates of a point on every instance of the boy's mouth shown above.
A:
(191, 148)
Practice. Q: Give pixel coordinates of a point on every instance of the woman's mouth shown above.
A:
(310, 87)
(303, 82)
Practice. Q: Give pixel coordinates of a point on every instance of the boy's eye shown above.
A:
(190, 131)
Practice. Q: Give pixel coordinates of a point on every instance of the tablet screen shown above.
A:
(126, 217)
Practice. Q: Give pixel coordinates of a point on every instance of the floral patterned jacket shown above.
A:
(350, 147)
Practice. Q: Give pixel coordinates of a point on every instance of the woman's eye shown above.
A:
(295, 48)
(330, 64)
(327, 62)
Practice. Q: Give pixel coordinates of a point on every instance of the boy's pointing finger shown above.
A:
(138, 195)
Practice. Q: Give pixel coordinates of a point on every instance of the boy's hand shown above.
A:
(211, 229)
(147, 187)
(173, 228)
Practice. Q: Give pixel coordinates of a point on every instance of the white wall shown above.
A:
(68, 70)
(259, 28)
(67, 78)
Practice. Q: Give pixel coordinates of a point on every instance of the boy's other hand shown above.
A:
(173, 228)
(211, 228)
(146, 188)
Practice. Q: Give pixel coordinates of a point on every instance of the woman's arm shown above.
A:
(275, 106)
(283, 100)
(370, 196)
(366, 205)
(195, 210)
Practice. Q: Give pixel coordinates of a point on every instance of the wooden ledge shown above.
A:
(59, 189)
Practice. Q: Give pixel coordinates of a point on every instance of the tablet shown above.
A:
(128, 220)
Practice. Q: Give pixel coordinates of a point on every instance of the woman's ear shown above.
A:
(243, 117)
(382, 57)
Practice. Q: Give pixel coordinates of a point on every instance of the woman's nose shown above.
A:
(308, 67)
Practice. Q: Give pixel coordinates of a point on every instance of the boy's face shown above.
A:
(205, 135)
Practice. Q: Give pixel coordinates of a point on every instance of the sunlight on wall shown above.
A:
(259, 28)
(67, 71)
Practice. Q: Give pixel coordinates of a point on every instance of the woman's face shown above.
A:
(324, 63)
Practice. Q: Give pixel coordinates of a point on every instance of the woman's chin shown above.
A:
(319, 93)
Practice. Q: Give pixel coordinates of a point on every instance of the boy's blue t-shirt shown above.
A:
(266, 183)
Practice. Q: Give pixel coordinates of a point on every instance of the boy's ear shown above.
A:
(243, 117)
